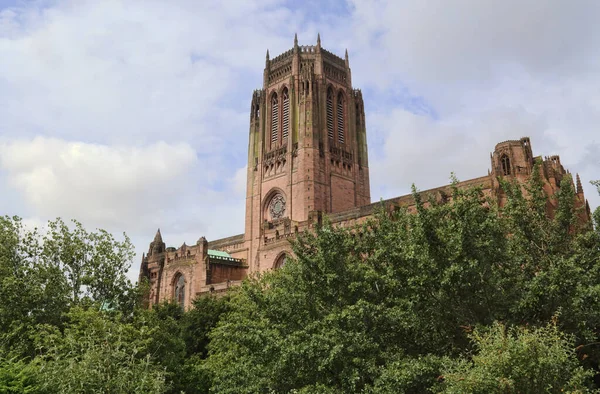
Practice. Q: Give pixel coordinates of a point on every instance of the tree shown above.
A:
(32, 291)
(98, 353)
(42, 276)
(95, 264)
(196, 324)
(375, 307)
(596, 213)
(17, 377)
(164, 340)
(518, 360)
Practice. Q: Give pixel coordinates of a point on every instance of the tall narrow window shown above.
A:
(340, 118)
(505, 162)
(180, 291)
(274, 120)
(330, 113)
(286, 116)
(280, 262)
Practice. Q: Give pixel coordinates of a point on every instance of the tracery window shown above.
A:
(274, 120)
(277, 206)
(179, 292)
(285, 116)
(280, 262)
(505, 162)
(340, 118)
(330, 113)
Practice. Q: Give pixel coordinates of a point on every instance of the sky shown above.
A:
(133, 115)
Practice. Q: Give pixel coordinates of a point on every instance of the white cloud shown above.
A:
(491, 71)
(239, 181)
(462, 40)
(113, 186)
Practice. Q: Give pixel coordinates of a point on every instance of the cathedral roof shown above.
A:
(218, 253)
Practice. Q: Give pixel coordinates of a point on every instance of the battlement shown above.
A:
(307, 48)
(284, 56)
(524, 140)
(333, 58)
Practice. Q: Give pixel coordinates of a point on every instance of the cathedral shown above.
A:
(308, 157)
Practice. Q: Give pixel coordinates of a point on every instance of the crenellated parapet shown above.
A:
(307, 49)
(333, 59)
(329, 64)
(283, 58)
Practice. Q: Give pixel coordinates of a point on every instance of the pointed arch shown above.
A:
(330, 113)
(505, 163)
(280, 260)
(341, 110)
(179, 289)
(278, 211)
(285, 126)
(274, 120)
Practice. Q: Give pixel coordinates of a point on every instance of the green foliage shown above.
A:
(94, 264)
(17, 376)
(98, 353)
(518, 360)
(410, 375)
(42, 276)
(32, 290)
(200, 320)
(596, 213)
(196, 324)
(387, 306)
(164, 339)
(376, 307)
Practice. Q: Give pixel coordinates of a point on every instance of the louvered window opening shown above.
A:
(286, 116)
(274, 121)
(330, 114)
(340, 119)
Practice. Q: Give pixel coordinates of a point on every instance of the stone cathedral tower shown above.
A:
(307, 156)
(307, 151)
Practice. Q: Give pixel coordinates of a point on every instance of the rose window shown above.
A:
(277, 206)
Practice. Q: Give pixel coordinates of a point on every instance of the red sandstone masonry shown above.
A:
(314, 174)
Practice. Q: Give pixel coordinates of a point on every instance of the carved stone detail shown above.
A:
(277, 206)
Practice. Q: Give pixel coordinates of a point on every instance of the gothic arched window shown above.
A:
(179, 292)
(280, 262)
(330, 113)
(505, 162)
(274, 120)
(285, 116)
(340, 117)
